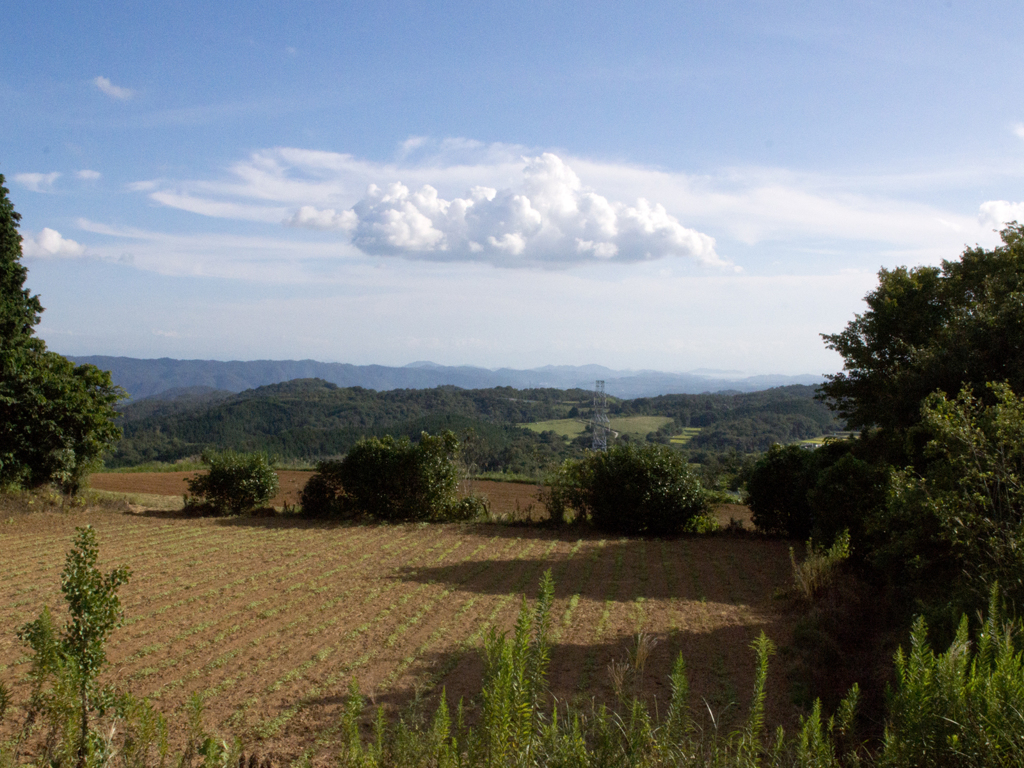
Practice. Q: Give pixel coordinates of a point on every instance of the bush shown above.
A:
(777, 491)
(629, 489)
(236, 483)
(392, 480)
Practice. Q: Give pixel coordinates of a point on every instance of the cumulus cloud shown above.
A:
(572, 211)
(87, 175)
(111, 90)
(50, 242)
(37, 182)
(551, 219)
(997, 213)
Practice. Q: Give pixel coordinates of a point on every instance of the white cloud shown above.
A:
(220, 209)
(50, 242)
(1019, 130)
(37, 182)
(750, 212)
(87, 175)
(550, 219)
(113, 91)
(309, 217)
(997, 213)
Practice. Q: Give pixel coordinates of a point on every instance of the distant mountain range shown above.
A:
(148, 378)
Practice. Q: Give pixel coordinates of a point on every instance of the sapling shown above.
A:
(94, 611)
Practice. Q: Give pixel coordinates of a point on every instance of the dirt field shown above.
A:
(269, 619)
(513, 500)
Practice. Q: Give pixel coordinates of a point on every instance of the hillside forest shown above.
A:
(501, 429)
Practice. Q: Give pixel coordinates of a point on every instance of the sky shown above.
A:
(655, 185)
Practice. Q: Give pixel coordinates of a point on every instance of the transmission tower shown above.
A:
(599, 420)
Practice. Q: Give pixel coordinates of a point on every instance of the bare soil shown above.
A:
(271, 618)
(510, 501)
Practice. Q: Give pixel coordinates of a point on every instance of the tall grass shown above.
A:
(959, 708)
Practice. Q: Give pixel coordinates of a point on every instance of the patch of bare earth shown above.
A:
(270, 619)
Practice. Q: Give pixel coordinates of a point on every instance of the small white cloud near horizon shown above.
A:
(998, 213)
(551, 221)
(37, 182)
(50, 242)
(309, 217)
(111, 90)
(87, 175)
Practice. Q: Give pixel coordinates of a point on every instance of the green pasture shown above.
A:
(634, 426)
(568, 428)
(639, 426)
(685, 436)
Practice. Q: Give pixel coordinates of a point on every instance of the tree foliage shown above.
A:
(56, 418)
(931, 329)
(235, 483)
(393, 480)
(629, 489)
(974, 487)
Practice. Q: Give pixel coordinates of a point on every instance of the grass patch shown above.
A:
(639, 426)
(685, 436)
(568, 428)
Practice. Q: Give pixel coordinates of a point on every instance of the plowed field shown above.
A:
(269, 619)
(504, 498)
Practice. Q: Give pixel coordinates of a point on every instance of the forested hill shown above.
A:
(312, 418)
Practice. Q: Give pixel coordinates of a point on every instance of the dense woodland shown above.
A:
(309, 419)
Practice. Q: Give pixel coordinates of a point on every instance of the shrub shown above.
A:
(959, 708)
(819, 567)
(235, 483)
(629, 489)
(65, 667)
(777, 491)
(392, 480)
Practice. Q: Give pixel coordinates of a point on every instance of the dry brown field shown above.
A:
(510, 500)
(269, 619)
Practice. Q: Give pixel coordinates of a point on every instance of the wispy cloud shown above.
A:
(87, 175)
(1019, 130)
(50, 243)
(111, 90)
(508, 205)
(37, 182)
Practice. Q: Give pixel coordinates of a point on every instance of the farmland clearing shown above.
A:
(269, 619)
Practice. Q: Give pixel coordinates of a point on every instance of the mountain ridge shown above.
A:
(146, 377)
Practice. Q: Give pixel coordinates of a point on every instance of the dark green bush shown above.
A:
(236, 483)
(629, 489)
(392, 480)
(777, 491)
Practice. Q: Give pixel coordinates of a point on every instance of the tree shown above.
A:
(392, 480)
(56, 418)
(932, 329)
(236, 482)
(634, 489)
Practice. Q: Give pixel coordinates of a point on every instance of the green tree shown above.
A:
(56, 418)
(236, 482)
(78, 654)
(974, 487)
(392, 480)
(932, 329)
(629, 489)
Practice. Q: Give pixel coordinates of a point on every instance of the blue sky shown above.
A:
(668, 186)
